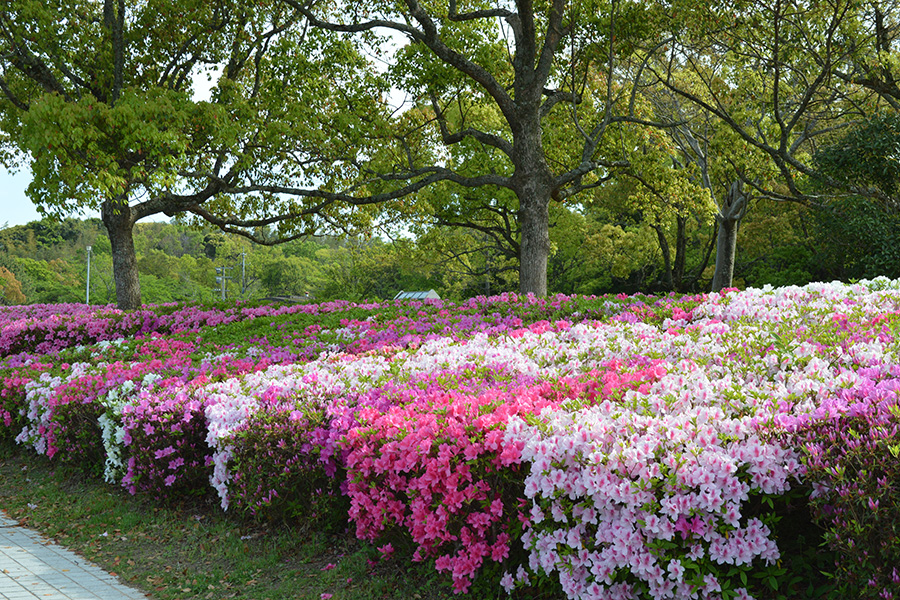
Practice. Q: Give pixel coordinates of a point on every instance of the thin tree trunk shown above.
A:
(696, 272)
(680, 254)
(728, 219)
(668, 281)
(726, 247)
(117, 218)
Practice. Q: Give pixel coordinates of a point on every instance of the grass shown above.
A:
(195, 550)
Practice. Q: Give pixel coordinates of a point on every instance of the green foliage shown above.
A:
(76, 429)
(364, 269)
(782, 266)
(287, 275)
(857, 239)
(595, 250)
(802, 571)
(301, 494)
(776, 247)
(868, 155)
(593, 256)
(46, 281)
(98, 97)
(462, 263)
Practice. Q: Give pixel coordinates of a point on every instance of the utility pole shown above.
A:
(243, 273)
(87, 293)
(221, 279)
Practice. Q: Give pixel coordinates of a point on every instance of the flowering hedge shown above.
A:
(852, 448)
(626, 447)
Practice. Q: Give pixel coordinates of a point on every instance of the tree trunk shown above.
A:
(680, 254)
(534, 248)
(119, 222)
(533, 185)
(668, 281)
(728, 219)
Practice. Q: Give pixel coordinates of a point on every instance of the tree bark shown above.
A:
(534, 250)
(680, 254)
(119, 222)
(673, 271)
(668, 280)
(533, 185)
(730, 214)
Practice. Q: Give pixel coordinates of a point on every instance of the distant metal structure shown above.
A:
(429, 295)
(243, 273)
(221, 280)
(87, 292)
(294, 299)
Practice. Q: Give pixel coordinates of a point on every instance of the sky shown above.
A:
(15, 207)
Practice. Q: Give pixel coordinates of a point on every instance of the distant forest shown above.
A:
(593, 253)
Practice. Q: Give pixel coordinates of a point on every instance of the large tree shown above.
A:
(783, 76)
(523, 95)
(99, 97)
(874, 51)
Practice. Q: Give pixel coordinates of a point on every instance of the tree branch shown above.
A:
(12, 97)
(481, 136)
(583, 169)
(170, 203)
(555, 33)
(35, 69)
(554, 97)
(478, 14)
(428, 35)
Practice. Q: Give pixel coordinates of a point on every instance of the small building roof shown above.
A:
(430, 294)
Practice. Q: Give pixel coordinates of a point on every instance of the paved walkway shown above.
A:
(34, 567)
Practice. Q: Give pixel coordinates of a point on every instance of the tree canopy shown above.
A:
(516, 115)
(99, 97)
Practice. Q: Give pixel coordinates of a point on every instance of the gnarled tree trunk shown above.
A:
(119, 222)
(533, 185)
(730, 214)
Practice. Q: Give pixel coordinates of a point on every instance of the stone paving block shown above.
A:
(33, 567)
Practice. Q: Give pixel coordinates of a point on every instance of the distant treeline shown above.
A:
(594, 252)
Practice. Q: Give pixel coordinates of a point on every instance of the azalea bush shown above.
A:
(12, 398)
(164, 439)
(616, 447)
(852, 451)
(278, 471)
(435, 474)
